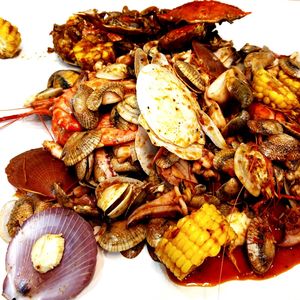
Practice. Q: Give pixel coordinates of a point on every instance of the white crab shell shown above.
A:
(169, 112)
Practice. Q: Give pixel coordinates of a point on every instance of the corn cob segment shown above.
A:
(195, 237)
(273, 92)
(292, 83)
(10, 39)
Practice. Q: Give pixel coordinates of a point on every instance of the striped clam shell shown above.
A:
(80, 145)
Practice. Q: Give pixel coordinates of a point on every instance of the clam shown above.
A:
(291, 65)
(238, 87)
(128, 109)
(116, 194)
(229, 190)
(108, 93)
(281, 147)
(169, 112)
(223, 161)
(260, 245)
(63, 79)
(117, 236)
(190, 76)
(250, 167)
(80, 145)
(84, 168)
(87, 118)
(265, 127)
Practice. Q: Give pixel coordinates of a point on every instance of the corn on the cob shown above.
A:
(195, 237)
(273, 92)
(292, 83)
(88, 51)
(10, 39)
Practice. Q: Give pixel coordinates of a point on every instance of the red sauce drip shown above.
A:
(219, 269)
(216, 270)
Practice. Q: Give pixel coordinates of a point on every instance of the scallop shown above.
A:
(66, 280)
(36, 171)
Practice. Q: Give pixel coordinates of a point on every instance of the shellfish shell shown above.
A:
(36, 170)
(169, 112)
(80, 145)
(75, 270)
(250, 168)
(119, 237)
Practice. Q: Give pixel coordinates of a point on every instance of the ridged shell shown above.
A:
(190, 76)
(281, 147)
(37, 170)
(108, 94)
(80, 145)
(75, 270)
(118, 237)
(88, 119)
(260, 245)
(128, 109)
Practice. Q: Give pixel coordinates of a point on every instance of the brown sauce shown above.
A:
(216, 270)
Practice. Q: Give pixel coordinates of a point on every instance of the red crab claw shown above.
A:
(203, 11)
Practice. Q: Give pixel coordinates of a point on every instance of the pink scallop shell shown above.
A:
(75, 270)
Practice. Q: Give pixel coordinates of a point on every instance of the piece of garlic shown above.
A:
(47, 252)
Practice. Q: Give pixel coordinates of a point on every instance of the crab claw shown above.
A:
(203, 11)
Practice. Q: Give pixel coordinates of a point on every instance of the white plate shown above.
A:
(272, 23)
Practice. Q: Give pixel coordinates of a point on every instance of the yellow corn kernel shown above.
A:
(273, 91)
(10, 39)
(195, 237)
(292, 83)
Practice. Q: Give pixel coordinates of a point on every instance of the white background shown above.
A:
(272, 23)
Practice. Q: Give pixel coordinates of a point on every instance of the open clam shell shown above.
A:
(75, 270)
(115, 195)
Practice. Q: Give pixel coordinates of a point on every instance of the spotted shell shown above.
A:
(169, 112)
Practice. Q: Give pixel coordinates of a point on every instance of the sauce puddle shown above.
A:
(208, 274)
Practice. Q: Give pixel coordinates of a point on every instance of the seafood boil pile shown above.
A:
(165, 136)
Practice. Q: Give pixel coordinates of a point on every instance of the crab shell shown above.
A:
(169, 112)
(203, 11)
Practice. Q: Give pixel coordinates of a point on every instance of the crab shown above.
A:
(92, 36)
(169, 112)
